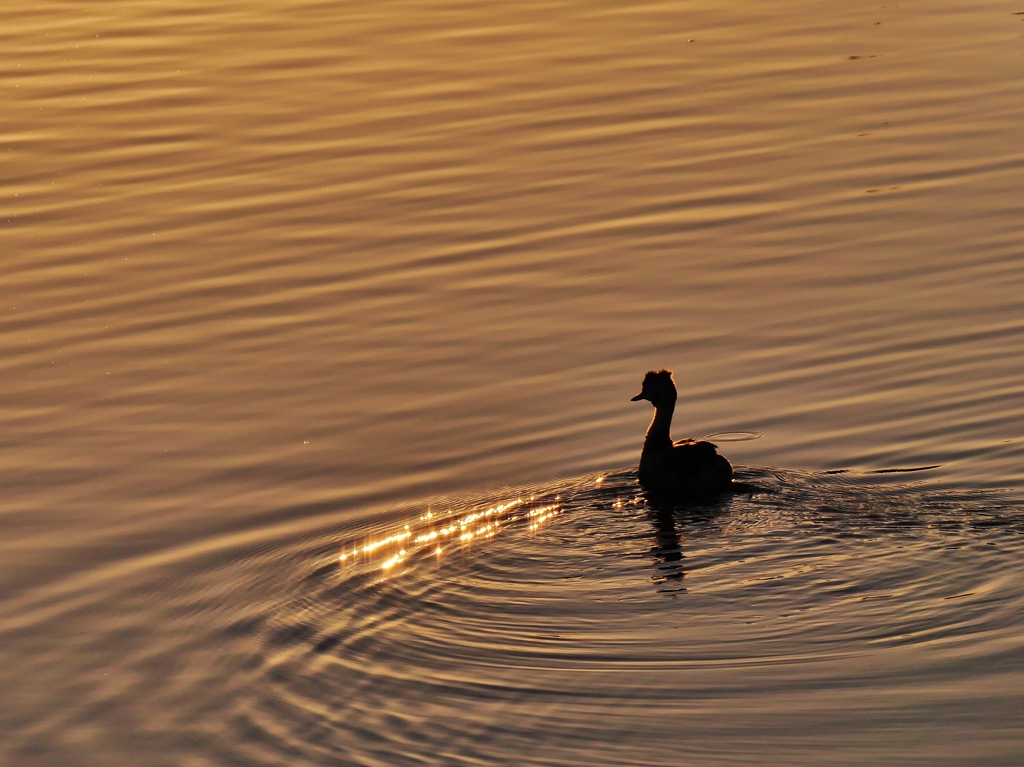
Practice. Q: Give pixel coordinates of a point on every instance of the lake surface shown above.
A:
(320, 323)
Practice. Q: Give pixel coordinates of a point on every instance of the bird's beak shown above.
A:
(638, 397)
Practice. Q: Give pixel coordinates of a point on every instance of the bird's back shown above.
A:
(690, 456)
(686, 468)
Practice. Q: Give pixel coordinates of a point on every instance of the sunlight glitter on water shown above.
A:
(430, 529)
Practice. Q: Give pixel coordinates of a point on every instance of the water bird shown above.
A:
(686, 468)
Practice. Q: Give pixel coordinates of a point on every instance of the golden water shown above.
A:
(279, 279)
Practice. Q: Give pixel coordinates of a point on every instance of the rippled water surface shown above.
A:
(320, 322)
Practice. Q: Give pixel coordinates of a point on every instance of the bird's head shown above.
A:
(658, 388)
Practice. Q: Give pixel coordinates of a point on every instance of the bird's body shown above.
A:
(683, 469)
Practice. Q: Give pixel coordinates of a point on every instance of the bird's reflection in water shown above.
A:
(667, 551)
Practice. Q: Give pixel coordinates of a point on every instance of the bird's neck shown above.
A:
(659, 430)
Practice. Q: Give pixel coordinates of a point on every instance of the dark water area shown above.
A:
(319, 324)
(813, 621)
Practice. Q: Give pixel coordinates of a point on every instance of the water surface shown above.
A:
(280, 279)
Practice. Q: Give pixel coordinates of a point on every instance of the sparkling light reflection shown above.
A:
(428, 533)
